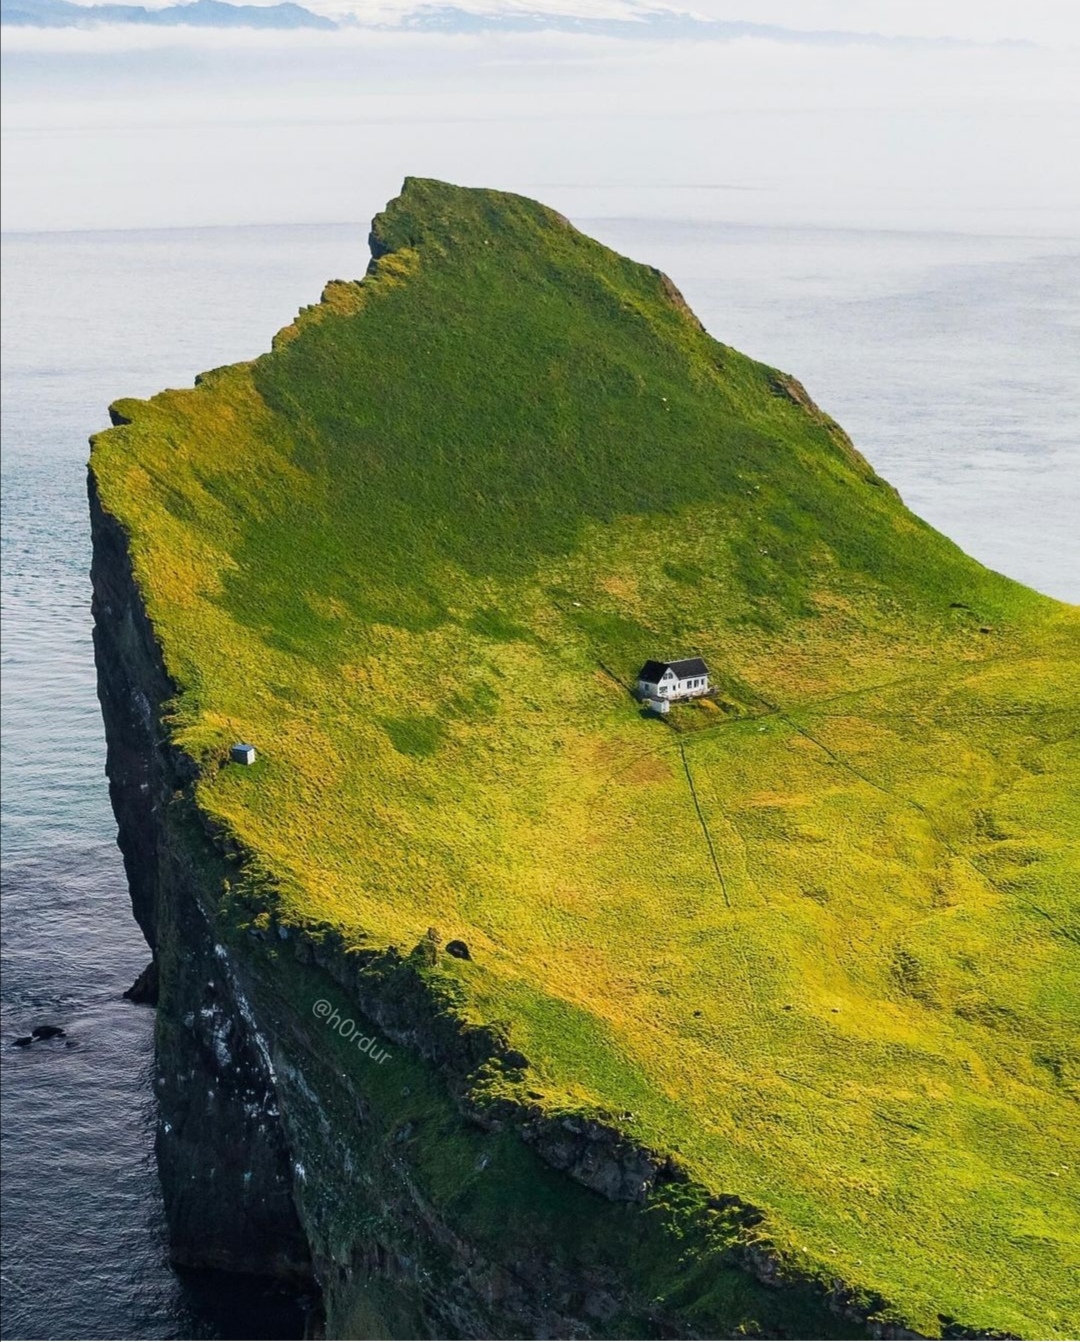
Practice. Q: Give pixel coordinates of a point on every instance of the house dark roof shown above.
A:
(652, 671)
(689, 666)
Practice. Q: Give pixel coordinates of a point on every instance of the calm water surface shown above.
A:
(951, 360)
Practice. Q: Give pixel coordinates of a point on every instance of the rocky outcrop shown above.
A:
(144, 991)
(789, 388)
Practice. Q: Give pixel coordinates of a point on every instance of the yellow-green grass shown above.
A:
(819, 938)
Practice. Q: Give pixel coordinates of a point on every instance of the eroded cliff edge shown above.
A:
(220, 1146)
(416, 1209)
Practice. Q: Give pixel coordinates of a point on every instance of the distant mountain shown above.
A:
(197, 14)
(660, 24)
(649, 24)
(643, 24)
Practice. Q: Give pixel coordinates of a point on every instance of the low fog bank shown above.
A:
(127, 128)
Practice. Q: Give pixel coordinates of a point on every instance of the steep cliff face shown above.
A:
(220, 1148)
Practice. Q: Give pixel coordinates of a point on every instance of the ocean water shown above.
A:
(951, 359)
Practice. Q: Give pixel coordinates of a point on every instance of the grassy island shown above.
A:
(816, 936)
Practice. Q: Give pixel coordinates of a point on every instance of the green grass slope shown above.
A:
(819, 936)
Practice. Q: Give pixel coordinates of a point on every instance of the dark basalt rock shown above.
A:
(221, 1150)
(144, 990)
(48, 1032)
(458, 950)
(24, 1041)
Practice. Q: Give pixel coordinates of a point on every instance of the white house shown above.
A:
(687, 679)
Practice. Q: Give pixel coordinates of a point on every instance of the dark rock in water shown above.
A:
(458, 949)
(145, 988)
(47, 1032)
(24, 1041)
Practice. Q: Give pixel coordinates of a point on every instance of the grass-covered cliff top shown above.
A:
(817, 936)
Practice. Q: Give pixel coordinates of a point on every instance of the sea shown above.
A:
(950, 358)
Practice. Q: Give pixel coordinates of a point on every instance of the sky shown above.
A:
(121, 127)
